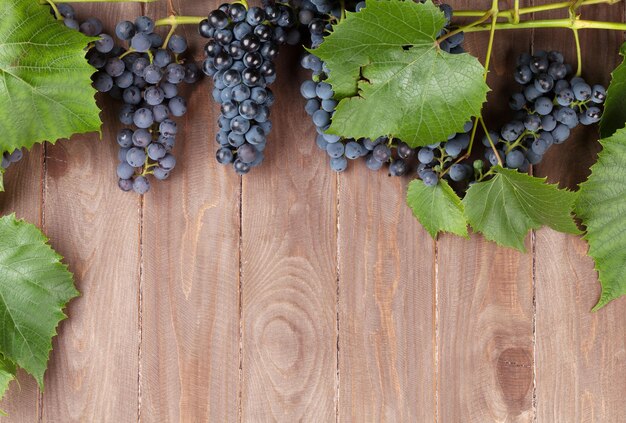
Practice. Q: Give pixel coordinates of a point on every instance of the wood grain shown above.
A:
(190, 283)
(485, 293)
(580, 355)
(23, 196)
(289, 270)
(93, 369)
(294, 294)
(386, 297)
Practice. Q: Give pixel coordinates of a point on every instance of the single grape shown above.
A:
(125, 171)
(543, 106)
(102, 82)
(136, 157)
(354, 150)
(177, 106)
(177, 44)
(125, 30)
(141, 185)
(582, 91)
(141, 138)
(160, 174)
(598, 95)
(224, 156)
(560, 134)
(425, 155)
(144, 24)
(430, 178)
(125, 184)
(372, 163)
(168, 162)
(514, 159)
(338, 164)
(398, 168)
(382, 153)
(404, 150)
(143, 118)
(141, 42)
(453, 148)
(335, 150)
(105, 44)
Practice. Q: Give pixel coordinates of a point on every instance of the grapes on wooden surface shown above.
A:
(240, 52)
(144, 72)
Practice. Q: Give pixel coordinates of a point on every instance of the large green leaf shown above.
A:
(602, 208)
(614, 115)
(7, 374)
(505, 208)
(385, 61)
(45, 81)
(438, 208)
(34, 288)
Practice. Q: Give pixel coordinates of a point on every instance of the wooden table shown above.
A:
(295, 294)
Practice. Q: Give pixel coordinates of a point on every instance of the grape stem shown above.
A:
(511, 14)
(169, 35)
(54, 7)
(579, 56)
(174, 20)
(488, 14)
(494, 11)
(516, 12)
(576, 24)
(493, 147)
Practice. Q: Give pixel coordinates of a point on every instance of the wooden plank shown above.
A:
(579, 353)
(289, 270)
(190, 286)
(23, 196)
(386, 303)
(485, 293)
(94, 365)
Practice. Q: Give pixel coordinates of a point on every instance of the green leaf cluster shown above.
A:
(504, 208)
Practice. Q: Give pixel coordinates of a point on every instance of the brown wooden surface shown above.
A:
(295, 294)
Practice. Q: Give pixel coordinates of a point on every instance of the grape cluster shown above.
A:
(240, 52)
(551, 104)
(316, 16)
(439, 158)
(146, 77)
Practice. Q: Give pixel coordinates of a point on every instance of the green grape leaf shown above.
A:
(505, 208)
(438, 208)
(602, 208)
(34, 288)
(45, 81)
(392, 78)
(614, 115)
(7, 374)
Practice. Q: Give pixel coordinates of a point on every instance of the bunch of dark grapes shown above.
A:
(551, 104)
(316, 16)
(240, 53)
(146, 75)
